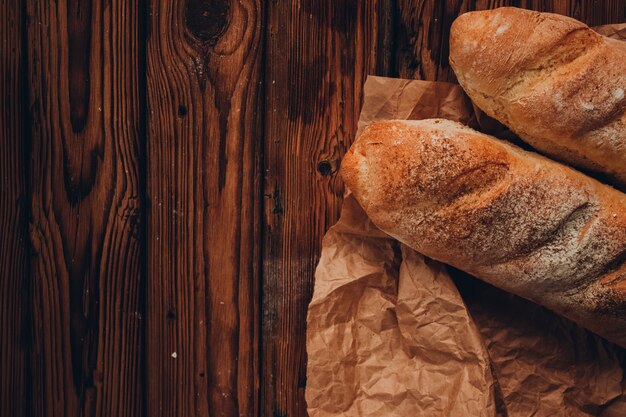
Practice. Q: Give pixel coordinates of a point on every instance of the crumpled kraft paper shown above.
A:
(393, 333)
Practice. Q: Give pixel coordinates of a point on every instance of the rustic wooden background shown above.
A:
(168, 169)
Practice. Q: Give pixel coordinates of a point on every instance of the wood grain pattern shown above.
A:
(318, 55)
(85, 228)
(204, 149)
(13, 220)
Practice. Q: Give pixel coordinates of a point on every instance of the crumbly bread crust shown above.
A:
(520, 221)
(555, 82)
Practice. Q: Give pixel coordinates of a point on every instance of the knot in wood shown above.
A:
(207, 20)
(324, 168)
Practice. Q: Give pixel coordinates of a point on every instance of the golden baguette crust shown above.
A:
(515, 219)
(551, 79)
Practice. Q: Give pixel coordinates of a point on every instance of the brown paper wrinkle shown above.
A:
(392, 333)
(366, 328)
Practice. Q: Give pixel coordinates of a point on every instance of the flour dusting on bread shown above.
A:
(516, 219)
(551, 79)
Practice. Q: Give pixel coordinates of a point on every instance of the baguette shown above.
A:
(513, 218)
(556, 83)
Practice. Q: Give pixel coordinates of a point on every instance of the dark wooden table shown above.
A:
(168, 169)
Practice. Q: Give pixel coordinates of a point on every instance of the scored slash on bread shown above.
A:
(552, 80)
(513, 218)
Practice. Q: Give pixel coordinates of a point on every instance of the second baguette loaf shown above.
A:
(515, 219)
(551, 79)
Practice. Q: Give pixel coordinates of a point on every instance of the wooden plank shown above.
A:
(84, 82)
(13, 220)
(204, 148)
(318, 55)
